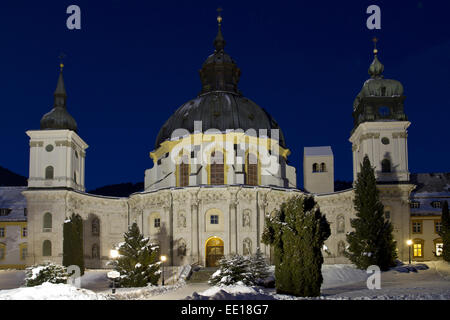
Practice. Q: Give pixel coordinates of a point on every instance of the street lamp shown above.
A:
(114, 254)
(163, 259)
(409, 243)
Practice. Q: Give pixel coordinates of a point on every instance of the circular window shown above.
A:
(385, 140)
(49, 148)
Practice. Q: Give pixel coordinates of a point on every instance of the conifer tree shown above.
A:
(445, 232)
(297, 233)
(232, 270)
(258, 268)
(138, 262)
(371, 242)
(73, 253)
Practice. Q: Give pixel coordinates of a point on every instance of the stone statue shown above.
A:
(182, 249)
(246, 219)
(247, 247)
(181, 220)
(340, 224)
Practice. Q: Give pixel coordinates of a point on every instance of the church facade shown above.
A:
(220, 168)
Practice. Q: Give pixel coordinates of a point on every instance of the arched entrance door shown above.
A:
(214, 251)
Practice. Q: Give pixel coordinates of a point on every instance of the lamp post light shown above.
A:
(409, 243)
(163, 259)
(114, 254)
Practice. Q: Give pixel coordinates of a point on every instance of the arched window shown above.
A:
(323, 167)
(217, 168)
(49, 173)
(385, 166)
(47, 225)
(95, 227)
(183, 171)
(95, 251)
(315, 167)
(47, 248)
(252, 170)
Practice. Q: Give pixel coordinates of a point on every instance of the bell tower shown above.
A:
(57, 153)
(380, 126)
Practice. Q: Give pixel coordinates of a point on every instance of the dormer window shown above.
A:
(4, 211)
(414, 204)
(436, 204)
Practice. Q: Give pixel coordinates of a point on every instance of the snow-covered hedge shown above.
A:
(48, 272)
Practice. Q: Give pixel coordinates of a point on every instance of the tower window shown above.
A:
(385, 166)
(184, 171)
(384, 111)
(49, 173)
(252, 170)
(217, 168)
(323, 167)
(47, 227)
(315, 167)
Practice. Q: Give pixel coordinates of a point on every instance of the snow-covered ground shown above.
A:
(430, 281)
(50, 291)
(421, 281)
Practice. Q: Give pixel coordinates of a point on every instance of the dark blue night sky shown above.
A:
(134, 63)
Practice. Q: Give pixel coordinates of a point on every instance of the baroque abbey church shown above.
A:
(219, 169)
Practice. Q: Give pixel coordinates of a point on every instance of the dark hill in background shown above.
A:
(340, 185)
(118, 190)
(11, 179)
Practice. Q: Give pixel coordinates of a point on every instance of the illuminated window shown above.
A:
(184, 172)
(217, 168)
(439, 246)
(418, 248)
(417, 226)
(214, 219)
(252, 170)
(157, 222)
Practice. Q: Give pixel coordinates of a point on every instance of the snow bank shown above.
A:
(238, 291)
(49, 291)
(145, 292)
(339, 274)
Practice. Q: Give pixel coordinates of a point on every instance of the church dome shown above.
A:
(59, 117)
(220, 105)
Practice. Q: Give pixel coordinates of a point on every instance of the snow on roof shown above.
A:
(317, 151)
(12, 198)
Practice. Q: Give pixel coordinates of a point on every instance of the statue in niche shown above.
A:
(341, 248)
(340, 224)
(246, 219)
(182, 248)
(181, 220)
(247, 247)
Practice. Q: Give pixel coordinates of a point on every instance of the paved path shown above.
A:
(182, 292)
(11, 279)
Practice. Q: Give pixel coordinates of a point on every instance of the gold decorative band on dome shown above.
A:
(229, 138)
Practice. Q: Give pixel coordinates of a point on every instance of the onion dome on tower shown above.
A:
(220, 105)
(380, 99)
(58, 118)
